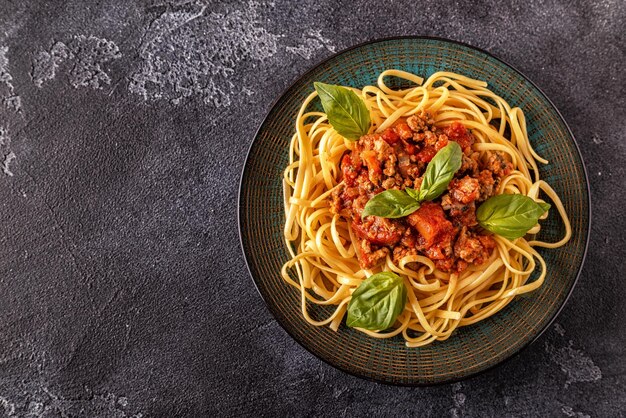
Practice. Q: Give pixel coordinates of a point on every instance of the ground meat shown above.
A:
(420, 122)
(364, 183)
(400, 252)
(465, 216)
(473, 248)
(367, 142)
(369, 256)
(418, 137)
(469, 166)
(431, 138)
(461, 214)
(497, 164)
(443, 230)
(390, 165)
(336, 202)
(464, 190)
(486, 182)
(413, 171)
(459, 202)
(409, 238)
(404, 162)
(389, 183)
(377, 230)
(359, 203)
(446, 264)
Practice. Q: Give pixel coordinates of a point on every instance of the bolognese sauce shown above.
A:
(444, 230)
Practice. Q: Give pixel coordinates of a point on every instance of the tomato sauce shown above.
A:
(444, 230)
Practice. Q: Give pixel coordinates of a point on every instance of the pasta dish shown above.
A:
(413, 211)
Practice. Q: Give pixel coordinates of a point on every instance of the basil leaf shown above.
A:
(390, 204)
(377, 302)
(346, 112)
(440, 171)
(510, 215)
(415, 194)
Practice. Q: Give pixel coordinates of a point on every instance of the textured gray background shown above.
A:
(123, 130)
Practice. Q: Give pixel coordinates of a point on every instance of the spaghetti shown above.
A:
(324, 264)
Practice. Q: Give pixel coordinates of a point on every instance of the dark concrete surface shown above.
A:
(123, 131)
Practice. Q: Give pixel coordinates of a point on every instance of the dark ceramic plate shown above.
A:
(471, 349)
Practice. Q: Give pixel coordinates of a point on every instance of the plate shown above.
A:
(471, 349)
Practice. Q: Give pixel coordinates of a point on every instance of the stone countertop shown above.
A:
(123, 131)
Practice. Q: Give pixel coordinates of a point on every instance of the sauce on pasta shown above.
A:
(445, 230)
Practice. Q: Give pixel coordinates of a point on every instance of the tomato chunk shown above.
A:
(372, 163)
(426, 154)
(431, 223)
(390, 136)
(404, 131)
(349, 171)
(459, 134)
(379, 231)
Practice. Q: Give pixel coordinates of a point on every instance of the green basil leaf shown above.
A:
(415, 194)
(390, 204)
(510, 215)
(440, 171)
(377, 302)
(346, 112)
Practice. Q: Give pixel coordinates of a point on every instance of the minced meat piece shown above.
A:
(389, 183)
(486, 182)
(469, 165)
(497, 164)
(473, 248)
(464, 190)
(461, 214)
(370, 257)
(421, 122)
